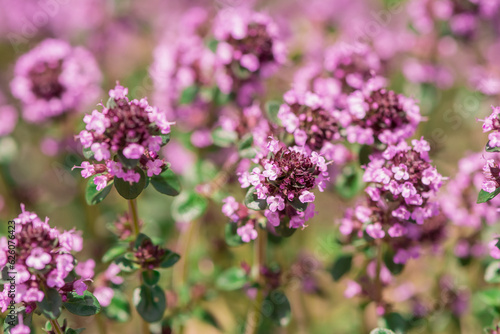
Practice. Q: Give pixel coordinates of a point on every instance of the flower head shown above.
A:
(55, 78)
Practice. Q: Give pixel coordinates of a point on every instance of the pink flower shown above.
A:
(306, 197)
(104, 295)
(101, 181)
(133, 151)
(80, 287)
(273, 217)
(247, 232)
(55, 279)
(375, 231)
(275, 203)
(85, 269)
(20, 328)
(154, 167)
(38, 259)
(353, 289)
(87, 169)
(101, 151)
(96, 122)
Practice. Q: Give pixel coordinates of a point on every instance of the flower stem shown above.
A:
(132, 204)
(378, 282)
(55, 326)
(253, 318)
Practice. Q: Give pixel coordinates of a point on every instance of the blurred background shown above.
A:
(429, 50)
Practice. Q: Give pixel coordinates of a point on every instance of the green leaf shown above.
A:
(224, 138)
(125, 264)
(88, 153)
(165, 138)
(492, 149)
(283, 229)
(341, 266)
(188, 95)
(94, 196)
(167, 183)
(350, 182)
(111, 103)
(232, 279)
(396, 322)
(252, 202)
(232, 237)
(170, 259)
(492, 273)
(150, 302)
(114, 252)
(119, 308)
(281, 313)
(381, 331)
(188, 206)
(50, 306)
(212, 45)
(272, 108)
(84, 306)
(484, 196)
(207, 317)
(126, 162)
(394, 268)
(245, 148)
(364, 154)
(131, 191)
(150, 277)
(141, 238)
(298, 205)
(490, 297)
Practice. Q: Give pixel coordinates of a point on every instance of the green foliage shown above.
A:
(341, 266)
(232, 279)
(252, 202)
(150, 302)
(51, 304)
(119, 308)
(84, 306)
(94, 196)
(484, 196)
(232, 238)
(272, 108)
(281, 312)
(188, 206)
(129, 190)
(167, 183)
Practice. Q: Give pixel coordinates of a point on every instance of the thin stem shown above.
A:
(253, 317)
(181, 270)
(132, 204)
(56, 327)
(378, 282)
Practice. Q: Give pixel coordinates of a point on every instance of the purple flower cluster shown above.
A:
(132, 129)
(458, 202)
(53, 79)
(285, 180)
(182, 60)
(380, 115)
(402, 187)
(463, 18)
(43, 260)
(248, 47)
(314, 124)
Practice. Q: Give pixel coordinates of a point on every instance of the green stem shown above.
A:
(56, 327)
(254, 314)
(378, 283)
(132, 204)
